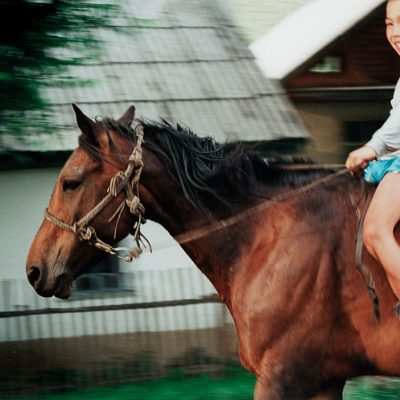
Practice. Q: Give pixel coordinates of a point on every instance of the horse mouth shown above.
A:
(63, 287)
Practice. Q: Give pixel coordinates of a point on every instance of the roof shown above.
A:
(256, 17)
(308, 30)
(182, 60)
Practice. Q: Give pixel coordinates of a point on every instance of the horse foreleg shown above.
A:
(266, 389)
(271, 389)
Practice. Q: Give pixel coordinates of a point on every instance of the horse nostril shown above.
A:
(33, 275)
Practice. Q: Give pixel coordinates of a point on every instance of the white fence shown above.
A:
(157, 301)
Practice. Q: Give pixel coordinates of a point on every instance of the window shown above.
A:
(358, 133)
(330, 64)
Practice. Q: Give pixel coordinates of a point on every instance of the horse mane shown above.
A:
(228, 172)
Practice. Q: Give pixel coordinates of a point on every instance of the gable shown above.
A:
(300, 36)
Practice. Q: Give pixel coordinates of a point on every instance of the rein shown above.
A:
(199, 233)
(202, 232)
(127, 181)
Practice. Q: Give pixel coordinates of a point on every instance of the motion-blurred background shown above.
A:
(305, 77)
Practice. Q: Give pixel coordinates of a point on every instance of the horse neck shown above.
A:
(289, 177)
(216, 253)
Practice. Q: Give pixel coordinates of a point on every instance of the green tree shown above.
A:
(38, 40)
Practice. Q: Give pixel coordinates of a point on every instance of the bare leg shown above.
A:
(382, 216)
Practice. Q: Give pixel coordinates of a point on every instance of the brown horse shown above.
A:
(285, 269)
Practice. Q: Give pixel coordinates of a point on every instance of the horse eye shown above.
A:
(70, 185)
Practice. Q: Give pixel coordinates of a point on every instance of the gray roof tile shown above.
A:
(255, 17)
(185, 63)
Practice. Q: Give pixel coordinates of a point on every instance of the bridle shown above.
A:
(128, 182)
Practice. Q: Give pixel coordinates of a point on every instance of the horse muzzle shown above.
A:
(58, 285)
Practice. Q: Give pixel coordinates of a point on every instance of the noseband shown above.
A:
(127, 181)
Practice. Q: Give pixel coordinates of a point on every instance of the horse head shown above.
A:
(58, 253)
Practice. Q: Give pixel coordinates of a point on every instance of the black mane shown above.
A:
(207, 170)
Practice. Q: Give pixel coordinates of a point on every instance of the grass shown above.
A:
(236, 385)
(373, 389)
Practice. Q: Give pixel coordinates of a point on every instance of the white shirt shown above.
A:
(386, 140)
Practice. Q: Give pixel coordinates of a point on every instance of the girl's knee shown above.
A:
(374, 234)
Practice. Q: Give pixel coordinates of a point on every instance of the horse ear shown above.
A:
(87, 126)
(128, 116)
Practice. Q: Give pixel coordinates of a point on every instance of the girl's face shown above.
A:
(393, 24)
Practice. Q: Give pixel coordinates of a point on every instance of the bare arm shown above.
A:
(385, 140)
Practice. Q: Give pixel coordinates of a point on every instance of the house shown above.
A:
(181, 60)
(338, 68)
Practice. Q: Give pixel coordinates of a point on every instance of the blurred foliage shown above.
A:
(12, 160)
(40, 39)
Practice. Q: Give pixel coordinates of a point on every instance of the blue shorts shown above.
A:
(377, 169)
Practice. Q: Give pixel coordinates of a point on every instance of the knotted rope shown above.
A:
(128, 182)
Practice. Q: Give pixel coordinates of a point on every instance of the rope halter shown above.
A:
(128, 182)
